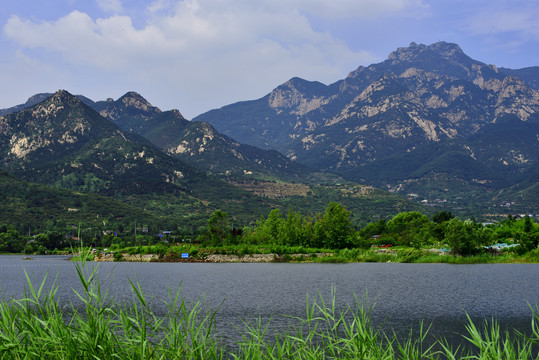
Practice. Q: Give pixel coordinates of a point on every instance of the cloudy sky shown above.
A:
(196, 55)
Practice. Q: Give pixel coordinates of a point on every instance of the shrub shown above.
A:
(118, 256)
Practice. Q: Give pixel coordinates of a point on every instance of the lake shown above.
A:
(402, 294)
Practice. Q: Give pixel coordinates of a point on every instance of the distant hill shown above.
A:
(428, 121)
(198, 143)
(37, 98)
(61, 142)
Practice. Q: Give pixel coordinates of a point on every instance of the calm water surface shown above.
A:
(402, 294)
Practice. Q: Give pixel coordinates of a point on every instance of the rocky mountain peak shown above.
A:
(448, 51)
(406, 53)
(133, 99)
(63, 96)
(302, 96)
(285, 96)
(177, 113)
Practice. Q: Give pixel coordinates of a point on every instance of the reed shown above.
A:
(39, 327)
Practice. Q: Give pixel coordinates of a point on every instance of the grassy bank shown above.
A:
(423, 256)
(38, 326)
(282, 253)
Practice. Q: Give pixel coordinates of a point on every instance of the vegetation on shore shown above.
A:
(407, 237)
(39, 326)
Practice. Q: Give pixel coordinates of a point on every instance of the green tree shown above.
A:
(334, 228)
(273, 226)
(11, 241)
(292, 230)
(462, 236)
(442, 216)
(406, 226)
(424, 236)
(218, 227)
(528, 224)
(50, 239)
(375, 228)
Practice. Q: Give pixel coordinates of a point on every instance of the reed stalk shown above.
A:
(37, 326)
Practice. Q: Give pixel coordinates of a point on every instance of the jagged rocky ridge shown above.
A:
(200, 144)
(197, 143)
(428, 115)
(429, 120)
(62, 141)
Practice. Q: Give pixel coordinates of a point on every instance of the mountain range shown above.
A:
(78, 153)
(200, 144)
(429, 122)
(63, 142)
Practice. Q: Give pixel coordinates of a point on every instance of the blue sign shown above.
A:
(185, 255)
(160, 235)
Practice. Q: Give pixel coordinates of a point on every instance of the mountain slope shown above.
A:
(38, 142)
(35, 206)
(426, 113)
(63, 142)
(198, 143)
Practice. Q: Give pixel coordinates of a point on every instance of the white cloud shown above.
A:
(159, 5)
(359, 8)
(522, 21)
(505, 29)
(223, 50)
(110, 6)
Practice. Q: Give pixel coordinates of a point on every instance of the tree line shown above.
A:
(331, 229)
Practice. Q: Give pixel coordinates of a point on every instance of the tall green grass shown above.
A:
(38, 326)
(475, 259)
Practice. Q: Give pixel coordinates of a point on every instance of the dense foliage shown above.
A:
(331, 229)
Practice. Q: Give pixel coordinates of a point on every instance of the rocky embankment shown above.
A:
(213, 258)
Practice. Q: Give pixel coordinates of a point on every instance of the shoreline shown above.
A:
(215, 258)
(391, 255)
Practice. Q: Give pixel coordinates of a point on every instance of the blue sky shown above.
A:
(196, 55)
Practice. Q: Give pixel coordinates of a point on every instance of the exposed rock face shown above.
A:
(135, 100)
(109, 257)
(291, 96)
(64, 142)
(127, 111)
(255, 258)
(421, 96)
(198, 142)
(213, 258)
(44, 130)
